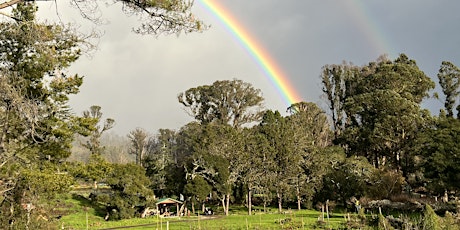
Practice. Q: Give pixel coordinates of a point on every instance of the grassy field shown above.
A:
(305, 219)
(82, 215)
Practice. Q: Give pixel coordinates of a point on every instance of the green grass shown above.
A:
(304, 219)
(83, 215)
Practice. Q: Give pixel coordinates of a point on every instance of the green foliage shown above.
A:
(384, 184)
(376, 108)
(129, 190)
(197, 188)
(441, 164)
(46, 182)
(430, 219)
(449, 222)
(226, 102)
(383, 223)
(449, 80)
(347, 178)
(37, 124)
(94, 115)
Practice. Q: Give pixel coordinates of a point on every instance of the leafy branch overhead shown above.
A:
(156, 16)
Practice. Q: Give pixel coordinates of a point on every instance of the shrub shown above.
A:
(430, 219)
(385, 184)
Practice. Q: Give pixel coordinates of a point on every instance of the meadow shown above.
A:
(81, 214)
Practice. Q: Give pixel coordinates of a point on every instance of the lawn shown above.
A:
(305, 219)
(81, 214)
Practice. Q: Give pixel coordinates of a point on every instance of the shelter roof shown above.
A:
(168, 201)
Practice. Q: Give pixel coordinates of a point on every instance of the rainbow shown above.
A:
(274, 73)
(369, 26)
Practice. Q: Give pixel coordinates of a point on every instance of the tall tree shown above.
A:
(311, 134)
(338, 83)
(139, 141)
(157, 16)
(279, 135)
(226, 102)
(449, 79)
(94, 142)
(36, 122)
(257, 166)
(384, 111)
(161, 162)
(439, 148)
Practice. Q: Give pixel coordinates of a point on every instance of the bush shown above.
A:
(430, 219)
(385, 184)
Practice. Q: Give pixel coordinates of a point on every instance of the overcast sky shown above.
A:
(136, 79)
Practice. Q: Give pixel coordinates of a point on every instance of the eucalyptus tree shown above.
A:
(383, 112)
(311, 135)
(37, 126)
(234, 102)
(217, 157)
(94, 142)
(161, 163)
(439, 147)
(279, 135)
(139, 141)
(257, 166)
(338, 84)
(449, 79)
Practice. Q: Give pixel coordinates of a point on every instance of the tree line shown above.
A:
(373, 140)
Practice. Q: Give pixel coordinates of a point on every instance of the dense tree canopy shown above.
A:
(226, 102)
(36, 122)
(382, 107)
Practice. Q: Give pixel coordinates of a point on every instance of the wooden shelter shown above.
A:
(164, 206)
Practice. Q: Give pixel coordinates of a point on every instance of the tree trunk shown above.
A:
(299, 202)
(203, 208)
(299, 199)
(228, 204)
(249, 202)
(193, 207)
(280, 202)
(182, 209)
(223, 204)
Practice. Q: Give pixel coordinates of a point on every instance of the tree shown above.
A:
(384, 112)
(157, 16)
(234, 102)
(37, 126)
(198, 189)
(439, 147)
(139, 141)
(449, 79)
(338, 83)
(130, 195)
(346, 177)
(94, 143)
(311, 134)
(279, 135)
(257, 166)
(161, 163)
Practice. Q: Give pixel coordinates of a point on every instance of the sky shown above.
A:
(136, 78)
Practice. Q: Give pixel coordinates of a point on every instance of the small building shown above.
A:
(164, 206)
